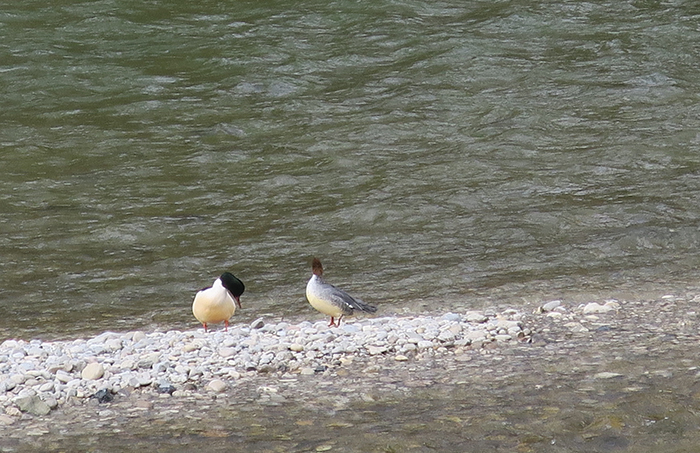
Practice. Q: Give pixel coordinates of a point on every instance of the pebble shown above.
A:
(217, 386)
(93, 371)
(38, 376)
(595, 307)
(476, 317)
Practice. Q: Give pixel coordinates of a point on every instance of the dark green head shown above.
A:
(233, 285)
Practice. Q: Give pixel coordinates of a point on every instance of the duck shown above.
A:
(218, 303)
(329, 300)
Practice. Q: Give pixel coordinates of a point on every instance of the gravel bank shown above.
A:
(550, 377)
(37, 377)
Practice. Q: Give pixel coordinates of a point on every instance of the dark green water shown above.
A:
(433, 154)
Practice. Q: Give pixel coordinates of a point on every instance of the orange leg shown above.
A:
(205, 327)
(333, 324)
(226, 325)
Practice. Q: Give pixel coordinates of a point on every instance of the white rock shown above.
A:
(93, 371)
(226, 352)
(425, 344)
(594, 307)
(549, 306)
(613, 304)
(376, 350)
(476, 317)
(446, 335)
(606, 375)
(452, 317)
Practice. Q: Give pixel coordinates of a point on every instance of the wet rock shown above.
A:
(166, 388)
(103, 396)
(606, 375)
(216, 386)
(32, 405)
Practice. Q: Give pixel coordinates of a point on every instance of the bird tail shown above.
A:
(362, 306)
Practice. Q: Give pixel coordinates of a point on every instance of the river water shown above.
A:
(435, 155)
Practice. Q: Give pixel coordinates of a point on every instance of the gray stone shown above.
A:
(63, 377)
(576, 327)
(446, 335)
(8, 385)
(216, 386)
(476, 317)
(32, 405)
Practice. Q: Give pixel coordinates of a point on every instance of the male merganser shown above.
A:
(330, 300)
(218, 303)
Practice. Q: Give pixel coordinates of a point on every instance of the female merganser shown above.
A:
(218, 303)
(330, 300)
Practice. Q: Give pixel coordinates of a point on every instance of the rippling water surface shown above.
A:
(436, 155)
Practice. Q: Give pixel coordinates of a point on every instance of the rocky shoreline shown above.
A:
(37, 377)
(202, 384)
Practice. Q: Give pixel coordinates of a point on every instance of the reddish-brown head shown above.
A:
(316, 267)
